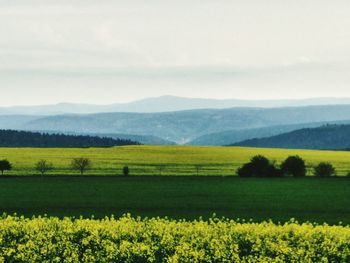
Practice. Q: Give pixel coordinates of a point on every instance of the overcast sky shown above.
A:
(107, 51)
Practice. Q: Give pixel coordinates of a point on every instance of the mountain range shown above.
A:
(184, 126)
(235, 136)
(165, 104)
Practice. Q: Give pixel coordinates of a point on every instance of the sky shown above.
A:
(107, 51)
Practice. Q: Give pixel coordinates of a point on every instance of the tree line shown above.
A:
(44, 166)
(12, 138)
(295, 166)
(258, 166)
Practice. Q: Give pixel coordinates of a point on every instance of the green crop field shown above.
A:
(165, 160)
(190, 197)
(201, 188)
(103, 192)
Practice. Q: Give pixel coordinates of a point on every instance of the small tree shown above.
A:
(126, 170)
(43, 166)
(324, 169)
(295, 166)
(259, 166)
(81, 164)
(5, 165)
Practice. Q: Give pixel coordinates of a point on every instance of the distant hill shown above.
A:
(164, 104)
(143, 139)
(11, 138)
(234, 136)
(184, 126)
(328, 137)
(181, 126)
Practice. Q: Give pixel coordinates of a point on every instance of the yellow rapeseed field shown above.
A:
(171, 160)
(162, 240)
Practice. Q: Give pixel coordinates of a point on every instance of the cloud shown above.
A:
(243, 48)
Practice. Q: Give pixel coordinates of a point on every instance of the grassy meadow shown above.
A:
(164, 160)
(187, 195)
(314, 199)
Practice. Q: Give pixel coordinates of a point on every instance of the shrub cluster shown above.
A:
(324, 170)
(162, 240)
(260, 166)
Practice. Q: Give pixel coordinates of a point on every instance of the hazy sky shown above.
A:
(106, 51)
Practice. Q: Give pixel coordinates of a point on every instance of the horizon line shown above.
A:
(178, 97)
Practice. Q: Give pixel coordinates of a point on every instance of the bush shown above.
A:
(324, 170)
(294, 166)
(126, 170)
(5, 165)
(259, 166)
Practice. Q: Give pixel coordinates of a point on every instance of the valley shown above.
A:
(198, 127)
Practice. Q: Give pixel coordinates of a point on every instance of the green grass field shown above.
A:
(321, 200)
(181, 196)
(176, 160)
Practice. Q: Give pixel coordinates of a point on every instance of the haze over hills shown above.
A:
(143, 139)
(328, 137)
(182, 126)
(165, 104)
(235, 136)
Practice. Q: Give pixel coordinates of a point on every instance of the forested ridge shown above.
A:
(13, 138)
(326, 137)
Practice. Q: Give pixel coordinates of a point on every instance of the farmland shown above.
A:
(175, 181)
(162, 160)
(306, 199)
(174, 192)
(162, 240)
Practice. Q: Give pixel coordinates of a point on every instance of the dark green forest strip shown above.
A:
(319, 200)
(13, 138)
